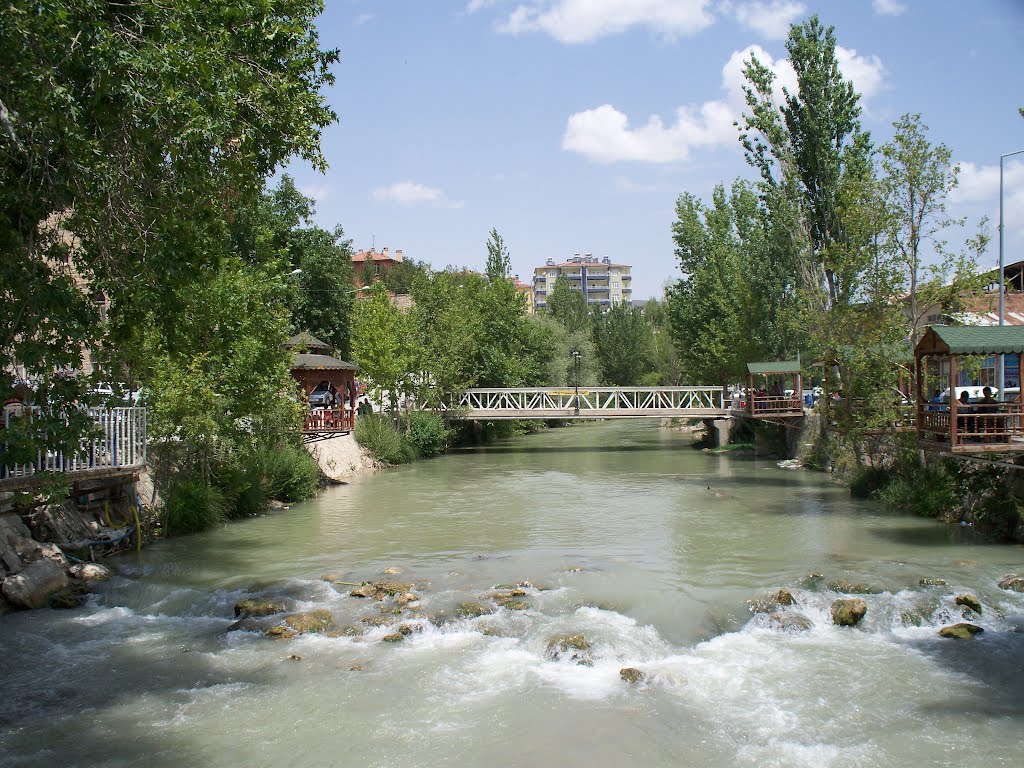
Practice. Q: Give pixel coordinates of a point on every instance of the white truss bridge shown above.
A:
(590, 403)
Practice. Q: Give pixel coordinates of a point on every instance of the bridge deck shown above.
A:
(590, 403)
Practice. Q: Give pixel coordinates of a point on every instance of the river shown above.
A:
(627, 536)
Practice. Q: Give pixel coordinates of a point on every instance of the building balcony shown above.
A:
(575, 277)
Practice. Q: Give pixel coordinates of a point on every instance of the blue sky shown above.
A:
(573, 125)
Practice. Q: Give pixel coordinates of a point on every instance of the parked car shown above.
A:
(324, 396)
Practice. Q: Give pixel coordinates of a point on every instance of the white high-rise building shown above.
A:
(605, 284)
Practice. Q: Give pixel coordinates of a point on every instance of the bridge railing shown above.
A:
(117, 442)
(591, 401)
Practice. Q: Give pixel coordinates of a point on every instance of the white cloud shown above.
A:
(605, 135)
(866, 72)
(475, 5)
(978, 193)
(582, 21)
(319, 192)
(888, 7)
(413, 193)
(363, 18)
(771, 18)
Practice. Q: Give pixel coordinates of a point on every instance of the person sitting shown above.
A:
(965, 425)
(988, 407)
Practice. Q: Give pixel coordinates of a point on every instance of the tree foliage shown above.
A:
(130, 133)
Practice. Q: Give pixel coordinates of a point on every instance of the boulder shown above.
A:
(395, 637)
(35, 584)
(631, 675)
(514, 605)
(931, 582)
(405, 598)
(310, 622)
(961, 631)
(1012, 582)
(393, 587)
(771, 602)
(789, 622)
(848, 612)
(72, 597)
(252, 608)
(842, 585)
(969, 601)
(91, 572)
(569, 647)
(470, 610)
(391, 571)
(364, 590)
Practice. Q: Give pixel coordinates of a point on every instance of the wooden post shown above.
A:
(954, 404)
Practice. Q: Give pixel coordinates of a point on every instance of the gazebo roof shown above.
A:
(308, 362)
(774, 366)
(972, 340)
(306, 340)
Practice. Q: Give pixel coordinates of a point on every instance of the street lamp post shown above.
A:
(1002, 278)
(576, 356)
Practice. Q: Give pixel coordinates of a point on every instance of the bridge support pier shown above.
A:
(718, 431)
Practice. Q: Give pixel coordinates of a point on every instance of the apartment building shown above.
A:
(605, 284)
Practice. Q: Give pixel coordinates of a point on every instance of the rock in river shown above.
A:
(849, 611)
(1012, 582)
(961, 631)
(570, 647)
(35, 584)
(970, 601)
(251, 608)
(631, 675)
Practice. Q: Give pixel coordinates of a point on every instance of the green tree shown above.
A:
(623, 342)
(917, 178)
(499, 265)
(382, 345)
(131, 132)
(568, 306)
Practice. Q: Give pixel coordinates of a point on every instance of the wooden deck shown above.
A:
(322, 423)
(979, 428)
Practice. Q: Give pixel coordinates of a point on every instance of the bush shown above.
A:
(378, 435)
(194, 506)
(927, 491)
(868, 481)
(427, 433)
(288, 473)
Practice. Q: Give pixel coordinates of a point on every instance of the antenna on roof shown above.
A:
(373, 243)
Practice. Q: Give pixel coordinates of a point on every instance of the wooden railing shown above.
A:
(118, 442)
(329, 420)
(775, 405)
(977, 424)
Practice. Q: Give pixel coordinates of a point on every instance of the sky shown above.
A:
(572, 126)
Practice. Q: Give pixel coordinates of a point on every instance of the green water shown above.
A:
(648, 548)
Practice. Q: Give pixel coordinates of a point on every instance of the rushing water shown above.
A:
(649, 549)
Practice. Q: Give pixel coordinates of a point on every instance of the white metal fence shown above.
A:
(589, 402)
(119, 441)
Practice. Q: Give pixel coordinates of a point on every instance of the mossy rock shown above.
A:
(631, 675)
(405, 629)
(393, 587)
(364, 590)
(72, 597)
(470, 610)
(812, 580)
(514, 605)
(570, 647)
(844, 586)
(969, 601)
(509, 594)
(771, 602)
(789, 622)
(394, 637)
(848, 612)
(962, 631)
(281, 632)
(255, 608)
(309, 623)
(1012, 582)
(407, 597)
(931, 582)
(376, 621)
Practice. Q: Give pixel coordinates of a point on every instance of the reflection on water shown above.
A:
(619, 532)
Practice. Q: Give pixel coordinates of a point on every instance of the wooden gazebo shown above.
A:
(977, 426)
(313, 367)
(771, 399)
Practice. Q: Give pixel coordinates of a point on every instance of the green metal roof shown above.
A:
(981, 339)
(776, 366)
